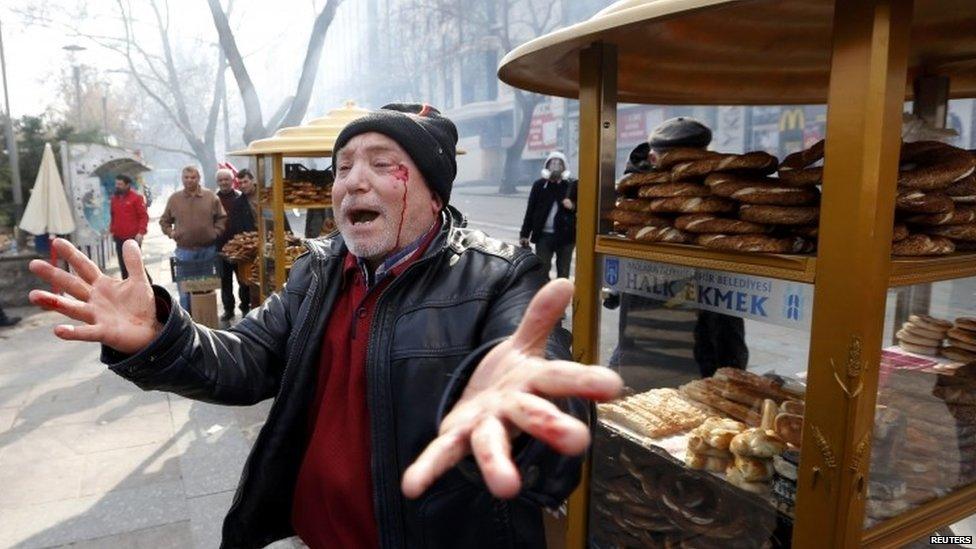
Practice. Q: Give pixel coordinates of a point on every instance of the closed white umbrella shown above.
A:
(47, 210)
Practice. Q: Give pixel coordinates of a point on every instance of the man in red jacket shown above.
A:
(129, 217)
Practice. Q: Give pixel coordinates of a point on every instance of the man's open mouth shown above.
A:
(361, 216)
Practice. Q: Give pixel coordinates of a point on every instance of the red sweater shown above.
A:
(333, 502)
(129, 215)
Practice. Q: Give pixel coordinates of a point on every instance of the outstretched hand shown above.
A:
(118, 313)
(506, 396)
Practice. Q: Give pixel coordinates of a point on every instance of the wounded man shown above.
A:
(423, 390)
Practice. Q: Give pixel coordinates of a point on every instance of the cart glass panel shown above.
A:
(704, 446)
(924, 444)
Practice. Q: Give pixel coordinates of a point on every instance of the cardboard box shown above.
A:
(203, 307)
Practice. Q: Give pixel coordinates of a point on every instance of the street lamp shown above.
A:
(72, 49)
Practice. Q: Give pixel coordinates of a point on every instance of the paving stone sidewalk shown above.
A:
(90, 460)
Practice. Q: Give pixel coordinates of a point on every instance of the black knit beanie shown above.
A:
(680, 132)
(429, 138)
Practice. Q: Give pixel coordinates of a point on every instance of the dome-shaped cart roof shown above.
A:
(703, 52)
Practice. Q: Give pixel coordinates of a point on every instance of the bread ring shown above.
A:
(789, 427)
(659, 234)
(915, 201)
(754, 469)
(780, 215)
(959, 216)
(756, 243)
(758, 443)
(930, 165)
(922, 331)
(673, 189)
(965, 322)
(680, 155)
(635, 180)
(959, 355)
(931, 323)
(760, 190)
(914, 339)
(634, 205)
(757, 162)
(956, 232)
(621, 228)
(807, 231)
(920, 244)
(708, 223)
(919, 349)
(696, 204)
(953, 342)
(804, 158)
(962, 335)
(899, 233)
(963, 191)
(634, 218)
(791, 406)
(804, 177)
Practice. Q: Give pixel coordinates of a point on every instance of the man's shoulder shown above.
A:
(463, 240)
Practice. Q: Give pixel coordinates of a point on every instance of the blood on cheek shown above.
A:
(401, 174)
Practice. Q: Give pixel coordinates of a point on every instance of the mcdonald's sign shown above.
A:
(792, 119)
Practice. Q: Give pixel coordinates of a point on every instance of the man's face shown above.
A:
(377, 188)
(247, 184)
(121, 186)
(191, 180)
(556, 167)
(225, 181)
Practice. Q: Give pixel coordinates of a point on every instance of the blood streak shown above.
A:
(47, 302)
(402, 174)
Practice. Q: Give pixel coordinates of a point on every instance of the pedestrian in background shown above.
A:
(240, 219)
(550, 215)
(130, 219)
(195, 219)
(228, 198)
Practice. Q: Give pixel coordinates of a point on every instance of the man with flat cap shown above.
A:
(423, 391)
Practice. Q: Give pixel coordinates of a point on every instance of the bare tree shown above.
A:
(486, 24)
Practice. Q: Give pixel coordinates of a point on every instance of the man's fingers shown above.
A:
(60, 278)
(78, 333)
(439, 456)
(542, 420)
(493, 452)
(85, 267)
(544, 311)
(72, 308)
(562, 378)
(132, 256)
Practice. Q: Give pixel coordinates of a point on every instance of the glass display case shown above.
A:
(770, 398)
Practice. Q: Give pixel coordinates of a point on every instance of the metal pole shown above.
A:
(12, 150)
(77, 73)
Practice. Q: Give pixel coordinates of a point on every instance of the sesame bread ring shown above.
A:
(673, 189)
(964, 336)
(931, 165)
(634, 205)
(904, 335)
(956, 232)
(919, 349)
(921, 244)
(806, 231)
(952, 341)
(780, 215)
(804, 177)
(915, 201)
(757, 162)
(635, 180)
(659, 234)
(931, 323)
(628, 217)
(963, 191)
(966, 323)
(696, 204)
(755, 192)
(961, 215)
(960, 355)
(621, 228)
(754, 243)
(899, 233)
(680, 155)
(922, 331)
(804, 158)
(708, 223)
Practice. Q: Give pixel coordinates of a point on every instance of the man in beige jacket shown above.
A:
(193, 218)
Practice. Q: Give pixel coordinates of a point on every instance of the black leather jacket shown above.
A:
(431, 327)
